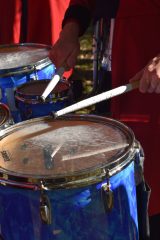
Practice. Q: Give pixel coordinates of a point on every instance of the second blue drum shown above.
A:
(18, 64)
(28, 98)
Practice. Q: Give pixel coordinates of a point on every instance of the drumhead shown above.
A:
(36, 88)
(69, 147)
(13, 57)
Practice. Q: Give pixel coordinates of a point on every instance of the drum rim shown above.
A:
(80, 178)
(29, 67)
(34, 99)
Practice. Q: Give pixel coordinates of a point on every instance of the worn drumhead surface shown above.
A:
(47, 147)
(18, 55)
(38, 87)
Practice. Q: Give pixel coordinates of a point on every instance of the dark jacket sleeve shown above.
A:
(80, 11)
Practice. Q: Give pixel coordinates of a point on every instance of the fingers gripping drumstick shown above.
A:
(98, 98)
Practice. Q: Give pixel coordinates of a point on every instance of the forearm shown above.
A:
(76, 20)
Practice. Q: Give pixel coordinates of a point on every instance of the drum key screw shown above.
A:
(107, 194)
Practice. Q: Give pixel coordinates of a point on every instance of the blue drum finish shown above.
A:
(29, 111)
(76, 214)
(28, 99)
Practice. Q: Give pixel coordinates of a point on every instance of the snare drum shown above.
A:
(71, 178)
(28, 98)
(18, 64)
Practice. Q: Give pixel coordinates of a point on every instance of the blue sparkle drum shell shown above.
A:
(53, 173)
(30, 105)
(18, 64)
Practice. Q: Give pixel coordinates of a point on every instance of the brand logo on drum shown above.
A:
(5, 156)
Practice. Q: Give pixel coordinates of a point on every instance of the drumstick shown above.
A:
(53, 82)
(95, 152)
(56, 150)
(98, 98)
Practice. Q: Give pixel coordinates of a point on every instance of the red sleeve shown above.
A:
(80, 11)
(85, 3)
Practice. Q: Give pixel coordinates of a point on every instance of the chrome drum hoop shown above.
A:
(30, 67)
(35, 98)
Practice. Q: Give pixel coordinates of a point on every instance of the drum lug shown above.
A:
(107, 195)
(45, 209)
(138, 163)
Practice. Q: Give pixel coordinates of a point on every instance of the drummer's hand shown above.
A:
(67, 47)
(149, 77)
